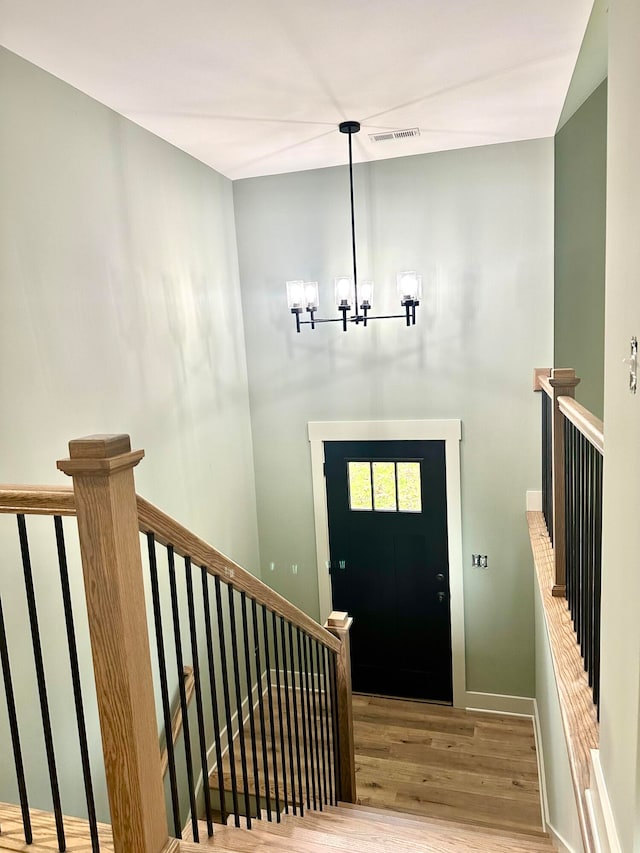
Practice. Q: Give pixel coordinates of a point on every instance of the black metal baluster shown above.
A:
(15, 732)
(547, 471)
(313, 675)
(285, 787)
(305, 662)
(575, 593)
(545, 486)
(272, 730)
(596, 568)
(575, 533)
(75, 679)
(303, 716)
(588, 616)
(214, 691)
(295, 718)
(227, 702)
(40, 677)
(283, 645)
(263, 731)
(578, 528)
(323, 754)
(182, 691)
(586, 547)
(597, 589)
(576, 523)
(327, 702)
(164, 688)
(236, 678)
(252, 725)
(336, 730)
(580, 556)
(583, 539)
(198, 691)
(568, 499)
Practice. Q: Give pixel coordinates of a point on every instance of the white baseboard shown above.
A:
(497, 703)
(542, 776)
(559, 842)
(599, 808)
(534, 501)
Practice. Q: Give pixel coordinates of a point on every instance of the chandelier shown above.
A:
(353, 298)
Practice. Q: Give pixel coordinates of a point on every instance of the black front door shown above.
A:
(389, 563)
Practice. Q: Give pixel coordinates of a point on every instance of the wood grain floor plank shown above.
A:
(442, 762)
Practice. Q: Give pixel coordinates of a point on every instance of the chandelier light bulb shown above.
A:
(409, 286)
(295, 295)
(311, 295)
(366, 293)
(344, 287)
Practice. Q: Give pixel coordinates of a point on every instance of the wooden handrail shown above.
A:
(60, 500)
(177, 719)
(168, 531)
(541, 380)
(591, 427)
(37, 500)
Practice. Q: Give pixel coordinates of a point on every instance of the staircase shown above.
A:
(360, 829)
(250, 651)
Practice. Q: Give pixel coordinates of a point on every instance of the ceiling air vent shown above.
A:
(394, 134)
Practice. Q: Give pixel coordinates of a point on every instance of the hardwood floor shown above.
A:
(429, 761)
(44, 833)
(439, 762)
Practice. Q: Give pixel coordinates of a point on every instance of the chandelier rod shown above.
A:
(353, 226)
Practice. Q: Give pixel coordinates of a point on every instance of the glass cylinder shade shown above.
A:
(295, 295)
(365, 292)
(409, 286)
(311, 295)
(344, 292)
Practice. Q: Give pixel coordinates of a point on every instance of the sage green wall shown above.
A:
(580, 226)
(478, 223)
(119, 312)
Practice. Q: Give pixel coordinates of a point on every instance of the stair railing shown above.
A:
(566, 540)
(273, 716)
(20, 688)
(572, 463)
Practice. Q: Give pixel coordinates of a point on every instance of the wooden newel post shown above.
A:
(102, 470)
(339, 624)
(563, 382)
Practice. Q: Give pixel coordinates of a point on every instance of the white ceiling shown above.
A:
(255, 87)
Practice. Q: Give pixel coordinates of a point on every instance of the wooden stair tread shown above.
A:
(395, 817)
(355, 829)
(406, 828)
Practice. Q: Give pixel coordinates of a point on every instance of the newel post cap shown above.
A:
(99, 455)
(338, 619)
(563, 377)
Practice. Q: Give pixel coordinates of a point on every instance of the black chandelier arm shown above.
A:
(354, 318)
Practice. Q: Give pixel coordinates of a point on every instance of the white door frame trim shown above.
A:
(449, 431)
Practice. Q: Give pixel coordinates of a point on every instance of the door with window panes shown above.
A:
(389, 563)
